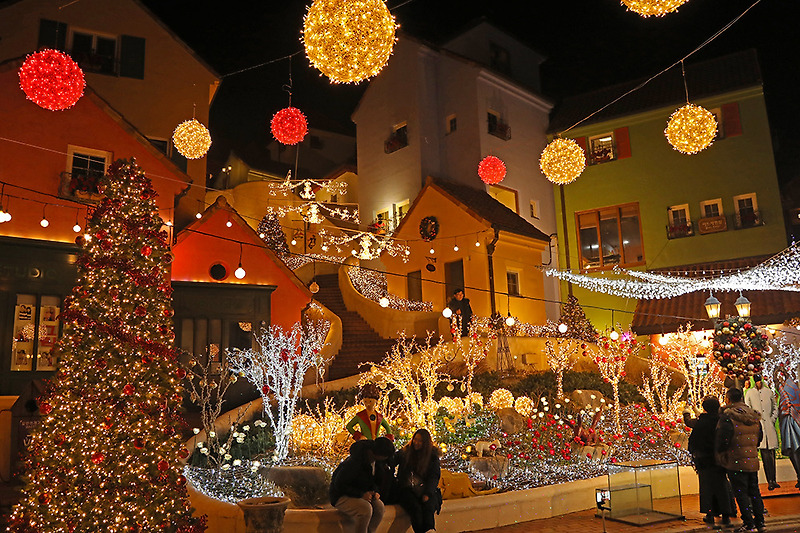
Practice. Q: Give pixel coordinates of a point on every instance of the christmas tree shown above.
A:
(273, 236)
(107, 455)
(578, 325)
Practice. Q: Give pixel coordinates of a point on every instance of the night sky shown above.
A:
(589, 44)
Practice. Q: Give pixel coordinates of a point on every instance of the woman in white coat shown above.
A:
(762, 399)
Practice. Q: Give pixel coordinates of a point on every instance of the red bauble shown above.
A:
(98, 457)
(184, 453)
(59, 439)
(140, 310)
(146, 359)
(128, 389)
(147, 250)
(181, 373)
(51, 80)
(163, 466)
(181, 480)
(44, 498)
(289, 126)
(138, 443)
(100, 364)
(167, 258)
(491, 170)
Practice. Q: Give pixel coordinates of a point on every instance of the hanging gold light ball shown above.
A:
(349, 40)
(562, 161)
(691, 129)
(191, 139)
(647, 8)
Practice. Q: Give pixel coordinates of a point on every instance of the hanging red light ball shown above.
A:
(51, 79)
(491, 170)
(289, 126)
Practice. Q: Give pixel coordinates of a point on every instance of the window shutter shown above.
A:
(131, 64)
(623, 140)
(731, 121)
(52, 34)
(582, 143)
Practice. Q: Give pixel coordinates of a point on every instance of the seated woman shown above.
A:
(418, 481)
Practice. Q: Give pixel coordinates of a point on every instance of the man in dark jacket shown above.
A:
(354, 487)
(737, 436)
(716, 498)
(462, 311)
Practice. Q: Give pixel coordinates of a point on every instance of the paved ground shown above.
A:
(783, 506)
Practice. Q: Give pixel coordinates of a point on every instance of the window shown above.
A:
(504, 195)
(679, 223)
(400, 210)
(717, 112)
(534, 208)
(499, 58)
(380, 226)
(711, 208)
(36, 329)
(211, 337)
(601, 148)
(747, 215)
(94, 53)
(162, 145)
(512, 280)
(398, 139)
(610, 236)
(414, 283)
(85, 167)
(450, 124)
(496, 126)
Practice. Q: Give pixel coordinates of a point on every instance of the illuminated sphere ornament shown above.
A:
(289, 126)
(659, 8)
(191, 139)
(562, 161)
(691, 129)
(491, 170)
(51, 80)
(349, 40)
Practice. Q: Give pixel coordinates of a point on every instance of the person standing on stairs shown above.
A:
(462, 311)
(367, 424)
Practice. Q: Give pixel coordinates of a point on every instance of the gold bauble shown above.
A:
(562, 161)
(691, 129)
(191, 139)
(658, 8)
(348, 40)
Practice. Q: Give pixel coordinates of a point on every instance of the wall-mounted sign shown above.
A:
(712, 225)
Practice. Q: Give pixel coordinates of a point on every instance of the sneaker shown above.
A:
(708, 519)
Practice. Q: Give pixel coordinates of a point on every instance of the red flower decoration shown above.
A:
(51, 80)
(491, 170)
(289, 126)
(98, 457)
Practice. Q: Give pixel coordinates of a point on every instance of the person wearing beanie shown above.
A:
(762, 399)
(367, 424)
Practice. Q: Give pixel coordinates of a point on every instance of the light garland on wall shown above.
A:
(348, 40)
(191, 139)
(306, 187)
(562, 161)
(778, 273)
(369, 245)
(658, 8)
(372, 284)
(315, 212)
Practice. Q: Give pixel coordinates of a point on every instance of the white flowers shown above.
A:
(196, 430)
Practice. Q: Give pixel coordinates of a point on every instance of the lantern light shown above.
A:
(44, 222)
(712, 306)
(240, 272)
(614, 335)
(447, 312)
(562, 161)
(384, 301)
(510, 320)
(562, 328)
(742, 305)
(314, 287)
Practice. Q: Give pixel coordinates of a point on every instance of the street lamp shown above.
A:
(712, 306)
(742, 305)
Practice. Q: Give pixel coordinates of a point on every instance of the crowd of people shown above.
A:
(726, 442)
(374, 474)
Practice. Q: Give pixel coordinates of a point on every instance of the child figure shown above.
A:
(367, 423)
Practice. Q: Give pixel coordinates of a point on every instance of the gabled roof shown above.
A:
(739, 70)
(665, 315)
(481, 205)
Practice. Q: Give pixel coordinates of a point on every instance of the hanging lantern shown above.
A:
(289, 126)
(658, 8)
(491, 170)
(562, 161)
(691, 129)
(51, 80)
(348, 40)
(191, 139)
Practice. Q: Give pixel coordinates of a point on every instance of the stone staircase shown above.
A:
(360, 343)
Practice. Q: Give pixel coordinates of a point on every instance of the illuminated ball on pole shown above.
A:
(691, 129)
(349, 40)
(289, 126)
(647, 8)
(491, 170)
(51, 79)
(562, 161)
(191, 139)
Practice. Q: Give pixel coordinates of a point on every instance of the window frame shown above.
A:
(513, 274)
(715, 201)
(46, 332)
(680, 207)
(535, 209)
(450, 123)
(756, 218)
(595, 160)
(95, 35)
(623, 262)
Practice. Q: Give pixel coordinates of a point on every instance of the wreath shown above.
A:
(428, 228)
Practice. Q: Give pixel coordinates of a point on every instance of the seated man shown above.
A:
(354, 485)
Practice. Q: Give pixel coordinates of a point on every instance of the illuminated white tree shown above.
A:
(655, 390)
(561, 357)
(610, 354)
(277, 369)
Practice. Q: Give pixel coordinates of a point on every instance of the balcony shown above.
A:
(81, 186)
(396, 141)
(90, 62)
(601, 155)
(501, 130)
(747, 219)
(678, 231)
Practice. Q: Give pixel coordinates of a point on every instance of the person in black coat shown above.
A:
(461, 308)
(354, 486)
(418, 481)
(716, 497)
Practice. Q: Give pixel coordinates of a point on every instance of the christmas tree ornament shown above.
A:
(658, 8)
(191, 139)
(289, 126)
(348, 40)
(52, 80)
(562, 161)
(691, 129)
(491, 170)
